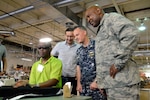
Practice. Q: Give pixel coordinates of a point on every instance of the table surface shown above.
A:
(60, 98)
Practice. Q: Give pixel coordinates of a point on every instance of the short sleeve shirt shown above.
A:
(67, 54)
(86, 61)
(44, 72)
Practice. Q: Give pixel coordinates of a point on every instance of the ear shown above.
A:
(85, 33)
(98, 11)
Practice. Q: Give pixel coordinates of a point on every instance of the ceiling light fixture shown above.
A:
(142, 27)
(26, 59)
(30, 43)
(16, 12)
(45, 40)
(7, 32)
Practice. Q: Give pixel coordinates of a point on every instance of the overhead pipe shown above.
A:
(16, 12)
(142, 45)
(63, 3)
(141, 53)
(7, 32)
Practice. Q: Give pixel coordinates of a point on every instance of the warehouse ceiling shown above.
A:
(24, 22)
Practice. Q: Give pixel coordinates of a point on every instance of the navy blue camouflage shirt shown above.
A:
(86, 61)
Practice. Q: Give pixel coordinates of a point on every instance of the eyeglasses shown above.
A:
(43, 47)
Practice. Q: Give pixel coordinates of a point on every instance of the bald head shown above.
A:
(94, 15)
(93, 8)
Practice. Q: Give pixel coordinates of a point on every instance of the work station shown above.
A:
(41, 48)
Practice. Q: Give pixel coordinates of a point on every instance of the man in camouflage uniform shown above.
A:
(114, 44)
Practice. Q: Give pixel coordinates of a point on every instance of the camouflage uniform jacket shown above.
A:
(115, 42)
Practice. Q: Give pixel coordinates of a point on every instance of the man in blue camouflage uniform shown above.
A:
(114, 44)
(86, 69)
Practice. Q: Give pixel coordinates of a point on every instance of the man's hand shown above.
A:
(103, 92)
(79, 87)
(93, 85)
(113, 71)
(20, 83)
(2, 73)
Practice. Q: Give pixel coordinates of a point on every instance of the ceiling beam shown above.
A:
(116, 6)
